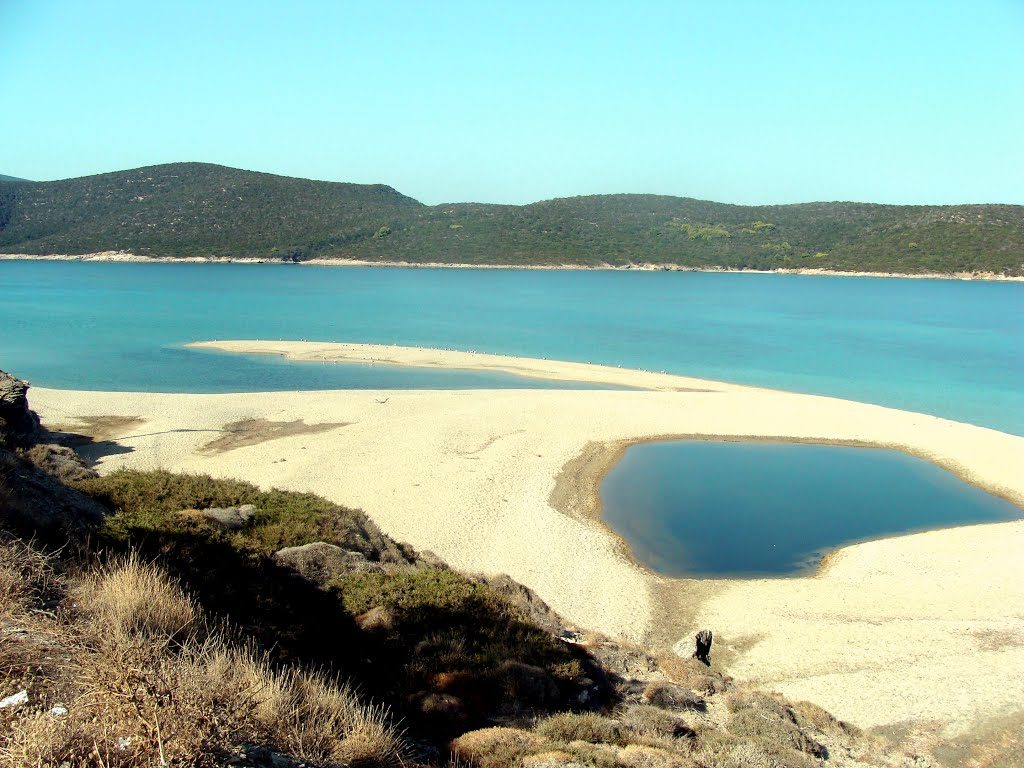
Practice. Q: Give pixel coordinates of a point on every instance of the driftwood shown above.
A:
(702, 651)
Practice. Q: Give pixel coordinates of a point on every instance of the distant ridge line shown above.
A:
(202, 210)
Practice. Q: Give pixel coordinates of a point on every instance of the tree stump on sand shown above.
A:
(702, 651)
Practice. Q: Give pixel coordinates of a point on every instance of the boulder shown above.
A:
(231, 518)
(320, 562)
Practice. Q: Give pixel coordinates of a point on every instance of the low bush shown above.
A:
(585, 726)
(153, 501)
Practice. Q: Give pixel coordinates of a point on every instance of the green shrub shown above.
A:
(146, 502)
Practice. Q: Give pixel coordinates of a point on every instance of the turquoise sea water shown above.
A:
(954, 349)
(695, 508)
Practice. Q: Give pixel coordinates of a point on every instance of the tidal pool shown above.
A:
(695, 508)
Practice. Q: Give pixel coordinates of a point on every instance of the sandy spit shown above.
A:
(637, 267)
(921, 627)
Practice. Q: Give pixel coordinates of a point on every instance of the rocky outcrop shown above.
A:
(19, 425)
(60, 462)
(321, 562)
(37, 503)
(357, 533)
(530, 603)
(32, 497)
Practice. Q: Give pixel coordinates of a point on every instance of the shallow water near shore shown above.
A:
(949, 348)
(697, 508)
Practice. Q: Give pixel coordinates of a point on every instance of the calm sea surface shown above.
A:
(954, 349)
(694, 508)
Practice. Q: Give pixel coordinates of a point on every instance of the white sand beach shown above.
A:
(123, 256)
(926, 627)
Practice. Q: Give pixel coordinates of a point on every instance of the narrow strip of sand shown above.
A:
(122, 256)
(425, 357)
(505, 481)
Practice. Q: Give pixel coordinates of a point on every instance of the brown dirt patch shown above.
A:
(97, 429)
(239, 434)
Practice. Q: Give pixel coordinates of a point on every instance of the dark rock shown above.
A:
(19, 425)
(702, 647)
(321, 562)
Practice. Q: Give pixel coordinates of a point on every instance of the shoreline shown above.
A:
(607, 454)
(577, 491)
(498, 481)
(125, 257)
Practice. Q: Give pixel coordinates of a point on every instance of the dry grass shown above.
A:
(749, 754)
(692, 674)
(26, 575)
(136, 598)
(146, 681)
(771, 723)
(496, 747)
(587, 726)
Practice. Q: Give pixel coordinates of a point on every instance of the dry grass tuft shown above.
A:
(568, 727)
(133, 597)
(813, 716)
(145, 681)
(642, 756)
(496, 747)
(26, 574)
(692, 674)
(648, 721)
(748, 754)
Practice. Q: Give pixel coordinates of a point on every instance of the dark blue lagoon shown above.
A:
(716, 509)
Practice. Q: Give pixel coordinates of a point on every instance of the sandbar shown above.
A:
(926, 627)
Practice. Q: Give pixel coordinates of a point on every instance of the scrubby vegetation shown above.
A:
(196, 209)
(447, 650)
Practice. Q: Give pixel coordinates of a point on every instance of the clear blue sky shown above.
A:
(900, 101)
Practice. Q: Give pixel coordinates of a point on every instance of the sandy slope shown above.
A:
(929, 626)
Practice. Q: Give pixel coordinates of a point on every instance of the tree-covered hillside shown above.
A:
(5, 177)
(194, 209)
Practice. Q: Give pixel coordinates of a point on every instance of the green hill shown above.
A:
(196, 209)
(5, 177)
